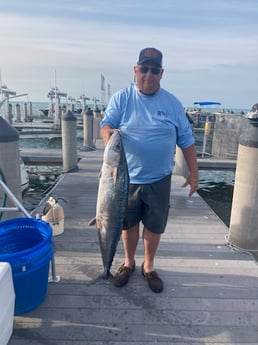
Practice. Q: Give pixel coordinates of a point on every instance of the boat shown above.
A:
(202, 115)
(253, 113)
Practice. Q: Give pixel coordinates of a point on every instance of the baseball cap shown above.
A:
(152, 55)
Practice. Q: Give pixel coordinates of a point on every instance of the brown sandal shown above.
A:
(123, 274)
(154, 281)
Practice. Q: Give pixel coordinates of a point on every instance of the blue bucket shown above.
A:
(26, 243)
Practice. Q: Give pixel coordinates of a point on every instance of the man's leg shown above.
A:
(150, 242)
(130, 239)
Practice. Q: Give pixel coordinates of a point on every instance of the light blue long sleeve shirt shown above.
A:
(152, 125)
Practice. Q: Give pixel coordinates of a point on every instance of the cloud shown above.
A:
(80, 41)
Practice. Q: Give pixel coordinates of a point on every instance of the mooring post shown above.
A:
(10, 161)
(69, 142)
(18, 112)
(96, 124)
(243, 232)
(180, 167)
(88, 144)
(26, 118)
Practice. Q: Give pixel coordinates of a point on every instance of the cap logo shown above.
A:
(151, 54)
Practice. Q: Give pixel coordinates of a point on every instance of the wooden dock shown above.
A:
(210, 295)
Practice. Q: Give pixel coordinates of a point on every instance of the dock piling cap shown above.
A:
(7, 132)
(69, 116)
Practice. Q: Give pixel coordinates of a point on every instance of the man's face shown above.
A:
(147, 77)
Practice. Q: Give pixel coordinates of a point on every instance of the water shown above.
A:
(48, 143)
(42, 178)
(36, 192)
(216, 188)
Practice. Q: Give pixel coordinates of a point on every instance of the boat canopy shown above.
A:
(207, 103)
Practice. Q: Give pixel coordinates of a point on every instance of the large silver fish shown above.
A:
(112, 199)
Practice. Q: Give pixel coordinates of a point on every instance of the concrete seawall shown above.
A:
(226, 132)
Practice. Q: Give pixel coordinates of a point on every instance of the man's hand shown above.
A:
(105, 133)
(193, 181)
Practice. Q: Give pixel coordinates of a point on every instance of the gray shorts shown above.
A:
(150, 204)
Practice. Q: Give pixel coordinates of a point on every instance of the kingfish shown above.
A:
(111, 200)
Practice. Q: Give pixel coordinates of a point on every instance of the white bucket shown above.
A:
(7, 300)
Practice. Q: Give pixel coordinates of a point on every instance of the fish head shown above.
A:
(113, 149)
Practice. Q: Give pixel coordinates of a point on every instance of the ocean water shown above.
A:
(216, 187)
(36, 192)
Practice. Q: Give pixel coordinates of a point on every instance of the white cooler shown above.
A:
(7, 300)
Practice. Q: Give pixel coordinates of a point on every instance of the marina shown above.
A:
(60, 64)
(210, 294)
(205, 301)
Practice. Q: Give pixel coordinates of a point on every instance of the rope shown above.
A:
(2, 177)
(252, 252)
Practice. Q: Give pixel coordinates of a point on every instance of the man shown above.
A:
(152, 122)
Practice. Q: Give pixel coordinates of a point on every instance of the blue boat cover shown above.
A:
(207, 103)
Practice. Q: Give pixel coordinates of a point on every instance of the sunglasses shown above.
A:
(153, 70)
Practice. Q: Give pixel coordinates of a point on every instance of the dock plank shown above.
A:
(210, 295)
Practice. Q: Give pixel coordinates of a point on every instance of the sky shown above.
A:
(210, 48)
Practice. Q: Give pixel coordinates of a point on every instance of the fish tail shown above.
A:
(107, 275)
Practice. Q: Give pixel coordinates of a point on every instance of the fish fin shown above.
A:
(92, 221)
